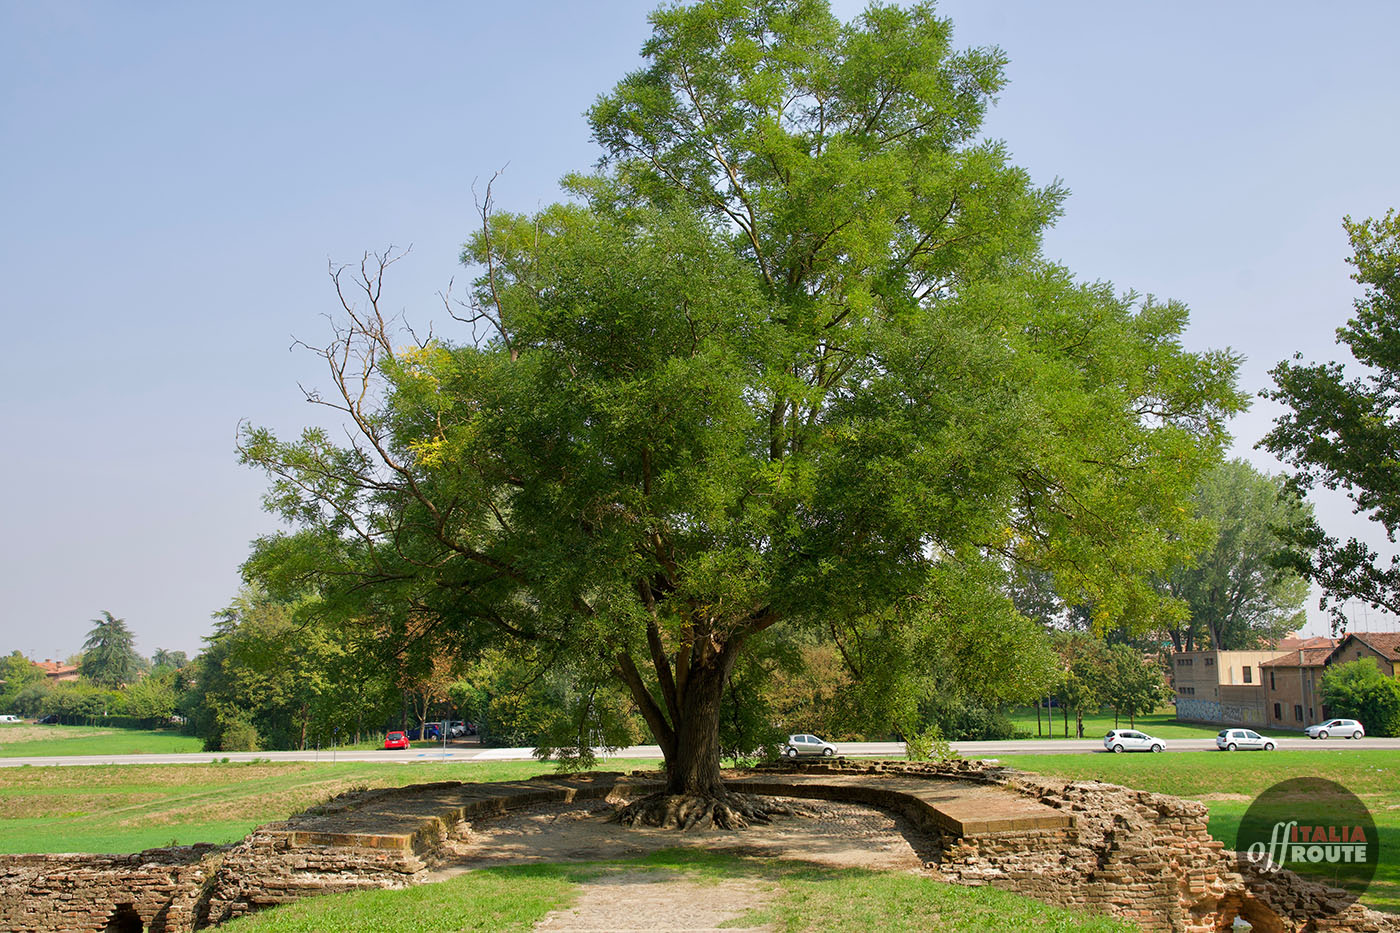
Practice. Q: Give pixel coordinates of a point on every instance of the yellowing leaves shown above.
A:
(430, 452)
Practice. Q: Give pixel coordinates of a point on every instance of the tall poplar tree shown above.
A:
(790, 359)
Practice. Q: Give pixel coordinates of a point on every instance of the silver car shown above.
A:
(1230, 739)
(1130, 740)
(1347, 728)
(807, 745)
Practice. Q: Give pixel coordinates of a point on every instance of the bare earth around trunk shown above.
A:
(632, 898)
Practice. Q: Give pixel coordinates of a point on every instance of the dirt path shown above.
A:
(628, 901)
(837, 834)
(624, 898)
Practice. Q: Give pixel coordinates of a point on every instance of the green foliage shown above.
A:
(78, 701)
(24, 684)
(238, 735)
(1237, 595)
(153, 696)
(273, 665)
(1342, 433)
(109, 658)
(1359, 690)
(790, 363)
(170, 659)
(1132, 684)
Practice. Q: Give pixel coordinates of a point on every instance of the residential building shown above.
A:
(1383, 646)
(1292, 683)
(57, 671)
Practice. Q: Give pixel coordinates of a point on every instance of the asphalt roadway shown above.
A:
(473, 752)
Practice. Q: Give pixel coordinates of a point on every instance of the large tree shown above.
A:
(791, 359)
(1236, 593)
(1344, 433)
(109, 658)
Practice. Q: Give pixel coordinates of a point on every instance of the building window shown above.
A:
(1248, 674)
(1183, 662)
(1310, 714)
(1278, 711)
(1297, 712)
(1271, 680)
(1210, 662)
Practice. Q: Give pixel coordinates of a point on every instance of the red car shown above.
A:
(396, 740)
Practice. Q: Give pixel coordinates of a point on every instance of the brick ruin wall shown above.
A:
(157, 890)
(1137, 855)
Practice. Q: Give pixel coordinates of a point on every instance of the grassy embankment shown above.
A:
(1228, 782)
(126, 808)
(25, 740)
(796, 897)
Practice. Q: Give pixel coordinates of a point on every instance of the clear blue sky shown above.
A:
(177, 176)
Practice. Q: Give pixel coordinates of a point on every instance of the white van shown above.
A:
(8, 718)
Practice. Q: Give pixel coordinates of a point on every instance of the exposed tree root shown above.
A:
(692, 811)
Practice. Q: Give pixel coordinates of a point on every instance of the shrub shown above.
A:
(1358, 690)
(238, 736)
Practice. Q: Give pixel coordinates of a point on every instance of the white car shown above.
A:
(1230, 739)
(1130, 740)
(8, 717)
(807, 745)
(1347, 728)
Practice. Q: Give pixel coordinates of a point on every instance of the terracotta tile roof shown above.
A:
(1294, 642)
(1387, 644)
(55, 668)
(1310, 657)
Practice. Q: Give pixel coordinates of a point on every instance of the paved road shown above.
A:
(476, 753)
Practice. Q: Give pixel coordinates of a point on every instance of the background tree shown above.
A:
(153, 697)
(109, 658)
(21, 678)
(1358, 690)
(1132, 684)
(1343, 433)
(273, 668)
(1236, 594)
(171, 659)
(791, 361)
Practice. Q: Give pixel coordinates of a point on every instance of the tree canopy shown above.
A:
(1343, 433)
(1237, 595)
(109, 655)
(791, 360)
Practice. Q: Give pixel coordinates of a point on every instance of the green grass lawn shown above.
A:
(798, 897)
(1162, 724)
(25, 740)
(1227, 784)
(127, 808)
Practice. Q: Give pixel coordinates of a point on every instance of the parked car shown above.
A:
(432, 730)
(50, 720)
(1347, 728)
(396, 740)
(807, 745)
(10, 717)
(1230, 739)
(1130, 740)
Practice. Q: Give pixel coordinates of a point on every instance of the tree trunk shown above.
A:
(693, 765)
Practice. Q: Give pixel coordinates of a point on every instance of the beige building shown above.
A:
(1225, 687)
